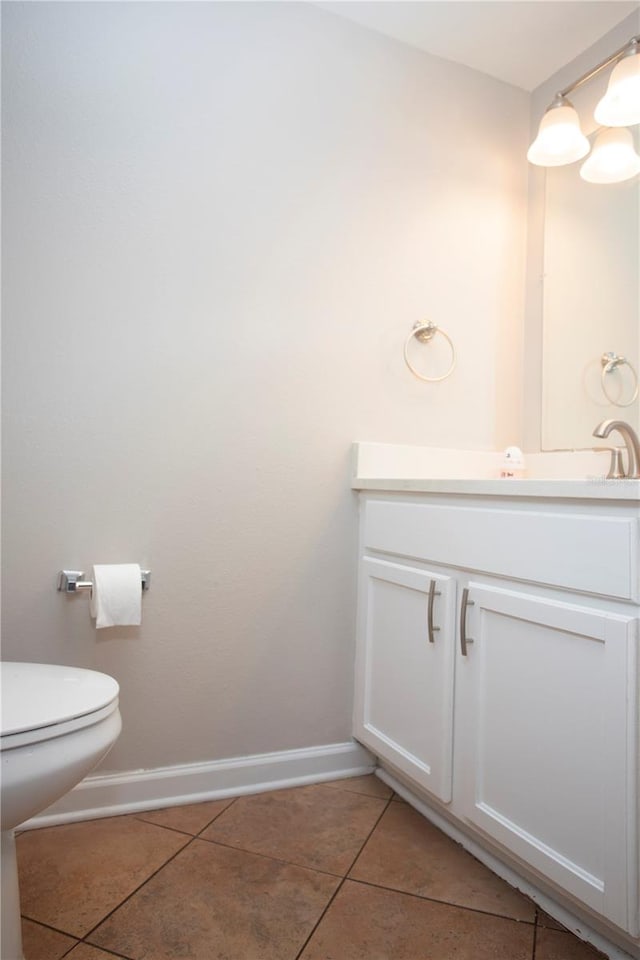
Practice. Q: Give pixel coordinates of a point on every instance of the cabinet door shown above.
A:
(404, 687)
(548, 741)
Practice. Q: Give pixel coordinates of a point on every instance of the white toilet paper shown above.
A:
(116, 597)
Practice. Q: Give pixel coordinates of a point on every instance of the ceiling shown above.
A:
(522, 42)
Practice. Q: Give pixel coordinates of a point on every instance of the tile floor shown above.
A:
(337, 871)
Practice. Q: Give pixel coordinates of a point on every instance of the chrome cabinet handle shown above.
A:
(464, 639)
(433, 593)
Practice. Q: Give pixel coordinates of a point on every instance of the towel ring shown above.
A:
(425, 331)
(609, 363)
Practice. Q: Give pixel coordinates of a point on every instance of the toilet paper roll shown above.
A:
(116, 596)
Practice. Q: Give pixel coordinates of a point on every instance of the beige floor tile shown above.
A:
(559, 945)
(84, 952)
(41, 943)
(190, 818)
(217, 903)
(408, 853)
(370, 786)
(367, 923)
(72, 876)
(315, 826)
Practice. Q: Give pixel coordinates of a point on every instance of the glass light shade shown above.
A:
(613, 158)
(620, 106)
(560, 139)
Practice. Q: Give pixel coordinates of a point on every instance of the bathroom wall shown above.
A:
(221, 221)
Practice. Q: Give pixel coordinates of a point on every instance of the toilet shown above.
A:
(57, 723)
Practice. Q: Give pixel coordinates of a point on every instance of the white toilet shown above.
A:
(56, 724)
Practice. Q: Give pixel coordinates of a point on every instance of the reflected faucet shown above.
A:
(631, 441)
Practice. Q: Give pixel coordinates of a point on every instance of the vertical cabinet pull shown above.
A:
(433, 593)
(464, 639)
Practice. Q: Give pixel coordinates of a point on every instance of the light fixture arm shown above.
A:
(631, 46)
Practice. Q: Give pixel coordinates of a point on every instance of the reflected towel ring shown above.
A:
(609, 363)
(425, 331)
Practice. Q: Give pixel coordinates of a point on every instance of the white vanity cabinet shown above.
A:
(519, 715)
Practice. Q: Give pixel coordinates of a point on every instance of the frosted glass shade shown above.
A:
(613, 158)
(560, 139)
(620, 106)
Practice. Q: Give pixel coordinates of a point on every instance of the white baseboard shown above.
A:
(107, 795)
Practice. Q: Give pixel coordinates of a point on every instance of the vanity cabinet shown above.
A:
(496, 670)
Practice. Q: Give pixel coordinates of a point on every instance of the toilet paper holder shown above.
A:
(70, 581)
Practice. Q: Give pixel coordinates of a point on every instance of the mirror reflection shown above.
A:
(591, 307)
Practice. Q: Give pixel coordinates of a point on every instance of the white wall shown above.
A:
(221, 221)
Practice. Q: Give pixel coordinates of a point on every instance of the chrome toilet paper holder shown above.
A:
(70, 581)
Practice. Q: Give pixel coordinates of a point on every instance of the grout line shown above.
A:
(78, 941)
(343, 880)
(320, 918)
(110, 953)
(163, 826)
(133, 893)
(47, 926)
(270, 856)
(443, 903)
(358, 793)
(213, 819)
(368, 837)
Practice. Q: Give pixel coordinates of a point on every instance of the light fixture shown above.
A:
(613, 158)
(560, 140)
(620, 106)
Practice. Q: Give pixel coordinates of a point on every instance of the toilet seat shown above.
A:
(56, 725)
(41, 701)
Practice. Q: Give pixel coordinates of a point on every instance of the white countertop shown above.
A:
(405, 469)
(594, 489)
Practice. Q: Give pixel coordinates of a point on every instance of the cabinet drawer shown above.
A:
(592, 553)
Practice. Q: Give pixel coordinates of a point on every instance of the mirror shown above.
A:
(591, 306)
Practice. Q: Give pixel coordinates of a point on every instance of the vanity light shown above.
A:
(620, 106)
(560, 139)
(613, 158)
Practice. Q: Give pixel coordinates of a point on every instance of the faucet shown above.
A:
(631, 441)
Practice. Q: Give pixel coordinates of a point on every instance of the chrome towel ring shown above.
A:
(425, 331)
(610, 362)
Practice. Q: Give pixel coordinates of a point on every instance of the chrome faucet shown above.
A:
(631, 441)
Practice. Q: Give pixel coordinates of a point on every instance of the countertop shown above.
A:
(395, 468)
(586, 489)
